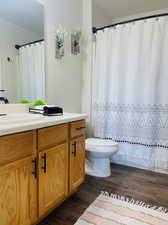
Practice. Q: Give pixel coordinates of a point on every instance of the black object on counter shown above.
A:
(52, 110)
(47, 110)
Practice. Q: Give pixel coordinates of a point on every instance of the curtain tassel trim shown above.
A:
(137, 143)
(134, 202)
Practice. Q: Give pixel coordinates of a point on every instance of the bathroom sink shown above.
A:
(19, 118)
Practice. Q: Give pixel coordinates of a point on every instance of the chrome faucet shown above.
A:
(3, 100)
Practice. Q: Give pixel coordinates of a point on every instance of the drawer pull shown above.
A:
(35, 168)
(80, 128)
(74, 152)
(44, 167)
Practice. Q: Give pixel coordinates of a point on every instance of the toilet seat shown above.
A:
(96, 144)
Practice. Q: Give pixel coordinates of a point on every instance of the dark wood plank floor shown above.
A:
(149, 187)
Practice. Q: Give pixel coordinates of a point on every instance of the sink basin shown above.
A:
(19, 118)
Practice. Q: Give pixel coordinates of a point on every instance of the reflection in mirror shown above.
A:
(22, 72)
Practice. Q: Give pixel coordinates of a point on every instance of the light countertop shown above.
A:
(20, 122)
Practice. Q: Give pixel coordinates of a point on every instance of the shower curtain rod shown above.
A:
(30, 43)
(129, 21)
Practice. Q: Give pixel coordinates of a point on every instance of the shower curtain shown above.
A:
(31, 77)
(130, 92)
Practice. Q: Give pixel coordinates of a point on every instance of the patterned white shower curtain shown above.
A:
(130, 91)
(31, 77)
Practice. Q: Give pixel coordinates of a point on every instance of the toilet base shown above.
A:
(98, 167)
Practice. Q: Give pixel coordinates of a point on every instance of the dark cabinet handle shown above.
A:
(74, 152)
(44, 167)
(35, 168)
(80, 128)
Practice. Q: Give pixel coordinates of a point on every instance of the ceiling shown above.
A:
(25, 13)
(122, 8)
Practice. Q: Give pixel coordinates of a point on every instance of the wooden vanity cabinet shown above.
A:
(53, 177)
(77, 154)
(77, 162)
(52, 136)
(18, 180)
(77, 129)
(18, 193)
(17, 146)
(38, 170)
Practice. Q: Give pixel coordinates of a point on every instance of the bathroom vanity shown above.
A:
(41, 164)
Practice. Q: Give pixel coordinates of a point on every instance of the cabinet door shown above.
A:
(77, 162)
(53, 177)
(18, 193)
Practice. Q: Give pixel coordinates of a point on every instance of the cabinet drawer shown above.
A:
(51, 136)
(17, 146)
(77, 128)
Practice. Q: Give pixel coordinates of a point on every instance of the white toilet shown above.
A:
(98, 154)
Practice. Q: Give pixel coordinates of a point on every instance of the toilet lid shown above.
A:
(100, 142)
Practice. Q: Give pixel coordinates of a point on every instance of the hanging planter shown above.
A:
(75, 42)
(60, 41)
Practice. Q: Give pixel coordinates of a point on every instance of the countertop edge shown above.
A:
(40, 124)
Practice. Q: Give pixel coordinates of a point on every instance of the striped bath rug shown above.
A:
(116, 210)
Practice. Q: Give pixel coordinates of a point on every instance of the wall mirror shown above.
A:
(22, 71)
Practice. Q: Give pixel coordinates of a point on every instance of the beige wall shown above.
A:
(63, 78)
(134, 16)
(87, 62)
(99, 17)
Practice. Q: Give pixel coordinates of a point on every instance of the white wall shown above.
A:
(99, 17)
(134, 16)
(63, 78)
(11, 35)
(87, 61)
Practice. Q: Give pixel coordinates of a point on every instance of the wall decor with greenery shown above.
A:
(75, 42)
(60, 42)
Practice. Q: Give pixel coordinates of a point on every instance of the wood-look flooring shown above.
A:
(147, 186)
